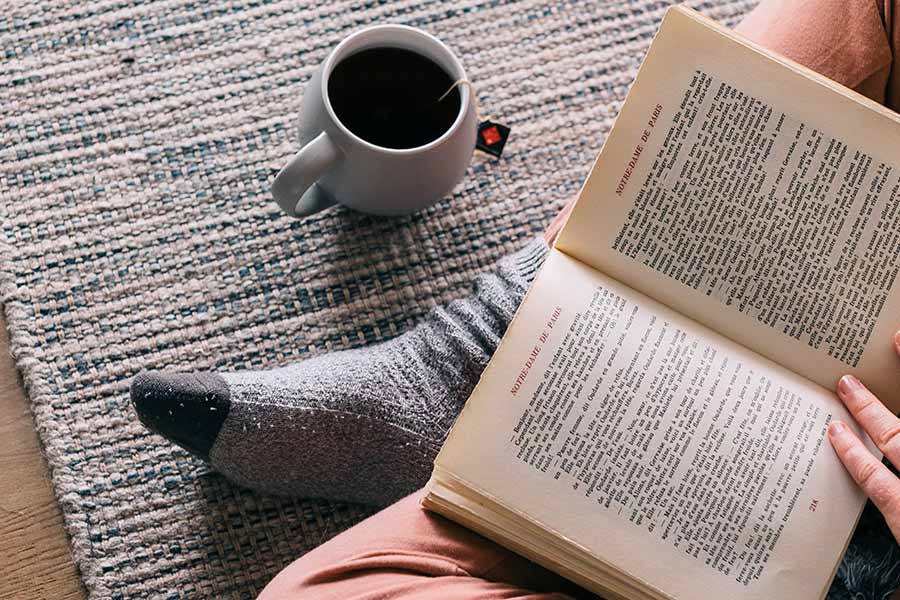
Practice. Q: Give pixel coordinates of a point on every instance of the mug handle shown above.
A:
(295, 188)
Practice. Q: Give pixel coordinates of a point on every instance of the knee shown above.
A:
(288, 584)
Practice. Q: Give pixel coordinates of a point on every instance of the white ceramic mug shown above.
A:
(336, 166)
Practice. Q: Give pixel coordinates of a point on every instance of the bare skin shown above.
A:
(875, 479)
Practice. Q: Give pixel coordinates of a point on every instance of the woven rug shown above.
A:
(138, 143)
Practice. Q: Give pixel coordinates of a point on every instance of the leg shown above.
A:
(850, 41)
(404, 552)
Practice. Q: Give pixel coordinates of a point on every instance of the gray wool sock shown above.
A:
(360, 425)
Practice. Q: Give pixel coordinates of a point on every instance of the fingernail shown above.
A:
(849, 384)
(897, 340)
(836, 429)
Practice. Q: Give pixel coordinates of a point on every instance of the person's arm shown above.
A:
(876, 480)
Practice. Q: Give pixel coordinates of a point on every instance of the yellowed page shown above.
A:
(756, 197)
(687, 461)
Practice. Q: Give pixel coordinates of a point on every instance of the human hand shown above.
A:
(875, 479)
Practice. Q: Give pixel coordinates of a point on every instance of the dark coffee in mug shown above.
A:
(390, 97)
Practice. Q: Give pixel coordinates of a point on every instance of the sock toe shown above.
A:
(186, 408)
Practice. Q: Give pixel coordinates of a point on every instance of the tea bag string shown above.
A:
(472, 91)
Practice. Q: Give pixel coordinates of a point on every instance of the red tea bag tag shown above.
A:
(492, 137)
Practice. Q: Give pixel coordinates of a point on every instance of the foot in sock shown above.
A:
(362, 425)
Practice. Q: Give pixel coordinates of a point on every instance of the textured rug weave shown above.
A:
(138, 143)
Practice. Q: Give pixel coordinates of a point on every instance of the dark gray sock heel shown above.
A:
(188, 409)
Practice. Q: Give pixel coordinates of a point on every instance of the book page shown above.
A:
(757, 198)
(689, 462)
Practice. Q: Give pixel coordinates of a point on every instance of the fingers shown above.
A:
(879, 422)
(873, 477)
(883, 427)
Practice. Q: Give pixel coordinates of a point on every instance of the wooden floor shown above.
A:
(34, 552)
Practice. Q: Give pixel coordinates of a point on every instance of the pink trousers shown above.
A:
(406, 553)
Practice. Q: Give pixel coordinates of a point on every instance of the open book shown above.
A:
(653, 422)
